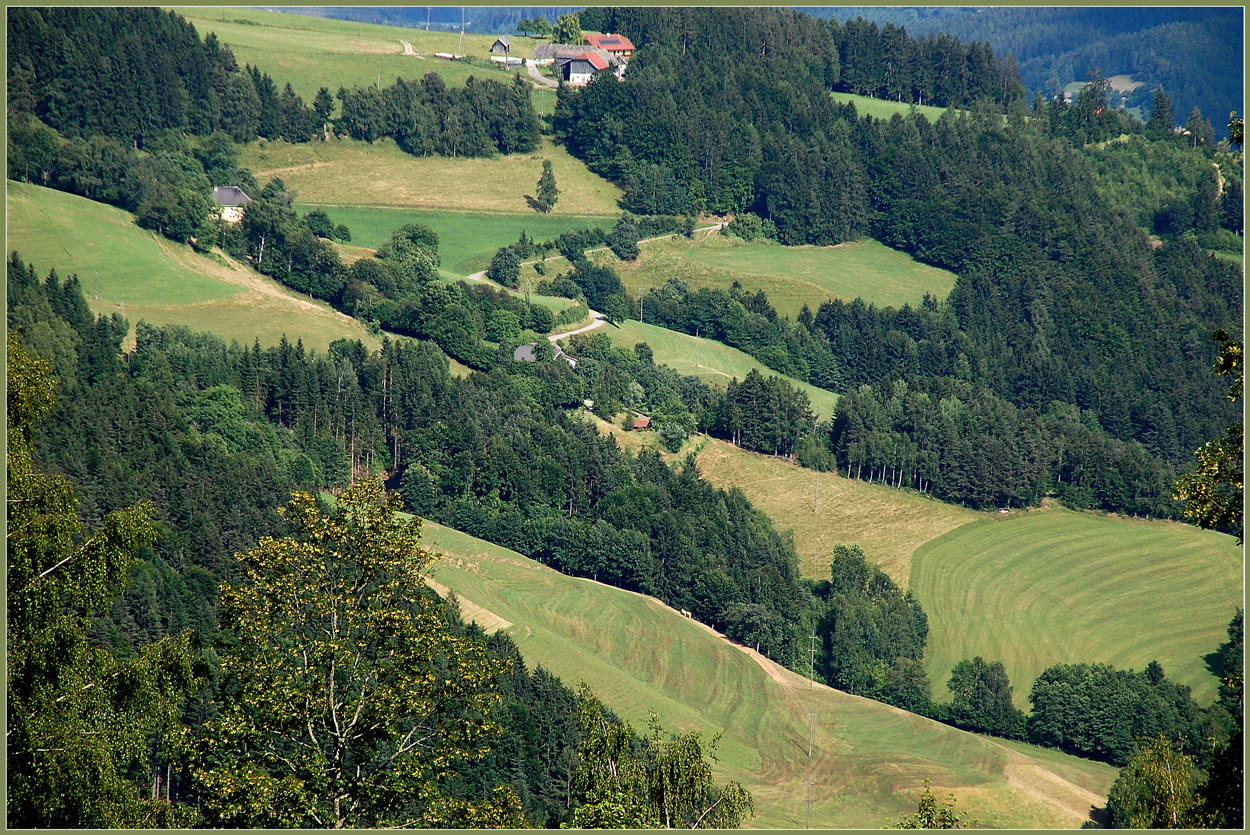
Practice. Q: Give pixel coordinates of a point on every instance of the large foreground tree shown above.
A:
(81, 724)
(346, 701)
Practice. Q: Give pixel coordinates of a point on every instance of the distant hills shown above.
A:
(1173, 47)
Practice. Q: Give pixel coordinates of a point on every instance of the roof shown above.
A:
(550, 50)
(503, 39)
(642, 423)
(589, 56)
(524, 353)
(230, 196)
(611, 42)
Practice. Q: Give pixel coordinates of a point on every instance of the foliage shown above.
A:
(1213, 492)
(548, 194)
(567, 29)
(505, 267)
(345, 699)
(623, 782)
(1219, 800)
(982, 699)
(1154, 790)
(78, 719)
(932, 815)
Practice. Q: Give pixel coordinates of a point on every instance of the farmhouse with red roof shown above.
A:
(618, 45)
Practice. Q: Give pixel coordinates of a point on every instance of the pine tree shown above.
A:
(548, 194)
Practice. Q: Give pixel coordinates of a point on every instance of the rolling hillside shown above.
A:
(868, 760)
(791, 276)
(712, 361)
(135, 272)
(1044, 587)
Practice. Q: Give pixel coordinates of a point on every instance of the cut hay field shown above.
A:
(869, 760)
(347, 172)
(466, 240)
(717, 363)
(133, 271)
(312, 52)
(890, 524)
(791, 276)
(883, 109)
(1049, 586)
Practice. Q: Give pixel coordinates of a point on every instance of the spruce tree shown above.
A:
(548, 194)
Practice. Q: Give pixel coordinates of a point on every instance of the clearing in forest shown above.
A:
(133, 271)
(869, 761)
(709, 360)
(1036, 588)
(791, 276)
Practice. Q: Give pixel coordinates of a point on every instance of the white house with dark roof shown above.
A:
(231, 199)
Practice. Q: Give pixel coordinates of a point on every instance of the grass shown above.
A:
(890, 524)
(868, 760)
(1049, 586)
(133, 271)
(790, 276)
(466, 240)
(1238, 258)
(312, 52)
(347, 172)
(717, 363)
(883, 109)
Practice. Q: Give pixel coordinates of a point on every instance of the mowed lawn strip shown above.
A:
(311, 52)
(868, 760)
(885, 109)
(466, 240)
(825, 509)
(346, 172)
(791, 276)
(1056, 586)
(717, 363)
(143, 276)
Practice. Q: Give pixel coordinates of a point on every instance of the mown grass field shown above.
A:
(312, 52)
(466, 240)
(346, 172)
(869, 760)
(882, 109)
(133, 271)
(716, 363)
(791, 276)
(890, 524)
(1044, 587)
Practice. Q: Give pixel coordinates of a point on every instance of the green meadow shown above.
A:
(791, 276)
(1056, 586)
(133, 271)
(885, 109)
(347, 172)
(312, 52)
(869, 761)
(711, 361)
(466, 240)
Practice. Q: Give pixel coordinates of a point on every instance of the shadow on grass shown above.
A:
(1215, 662)
(535, 205)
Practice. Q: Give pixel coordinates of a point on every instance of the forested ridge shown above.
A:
(1071, 359)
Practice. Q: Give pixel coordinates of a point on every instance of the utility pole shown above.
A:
(809, 802)
(810, 731)
(813, 676)
(640, 297)
(461, 50)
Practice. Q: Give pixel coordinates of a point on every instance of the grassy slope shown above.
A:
(790, 276)
(345, 172)
(717, 363)
(888, 523)
(1045, 587)
(882, 109)
(313, 52)
(159, 281)
(869, 760)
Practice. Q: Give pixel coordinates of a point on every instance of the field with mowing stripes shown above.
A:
(790, 276)
(869, 760)
(128, 270)
(717, 363)
(345, 172)
(888, 523)
(1045, 587)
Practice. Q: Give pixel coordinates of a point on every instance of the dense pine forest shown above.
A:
(1072, 360)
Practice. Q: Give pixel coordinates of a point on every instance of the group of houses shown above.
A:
(577, 63)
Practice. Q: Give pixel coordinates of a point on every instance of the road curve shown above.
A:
(597, 321)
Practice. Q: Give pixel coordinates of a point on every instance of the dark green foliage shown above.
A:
(1097, 711)
(1154, 790)
(871, 634)
(762, 414)
(548, 194)
(505, 267)
(624, 239)
(1220, 798)
(427, 117)
(982, 699)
